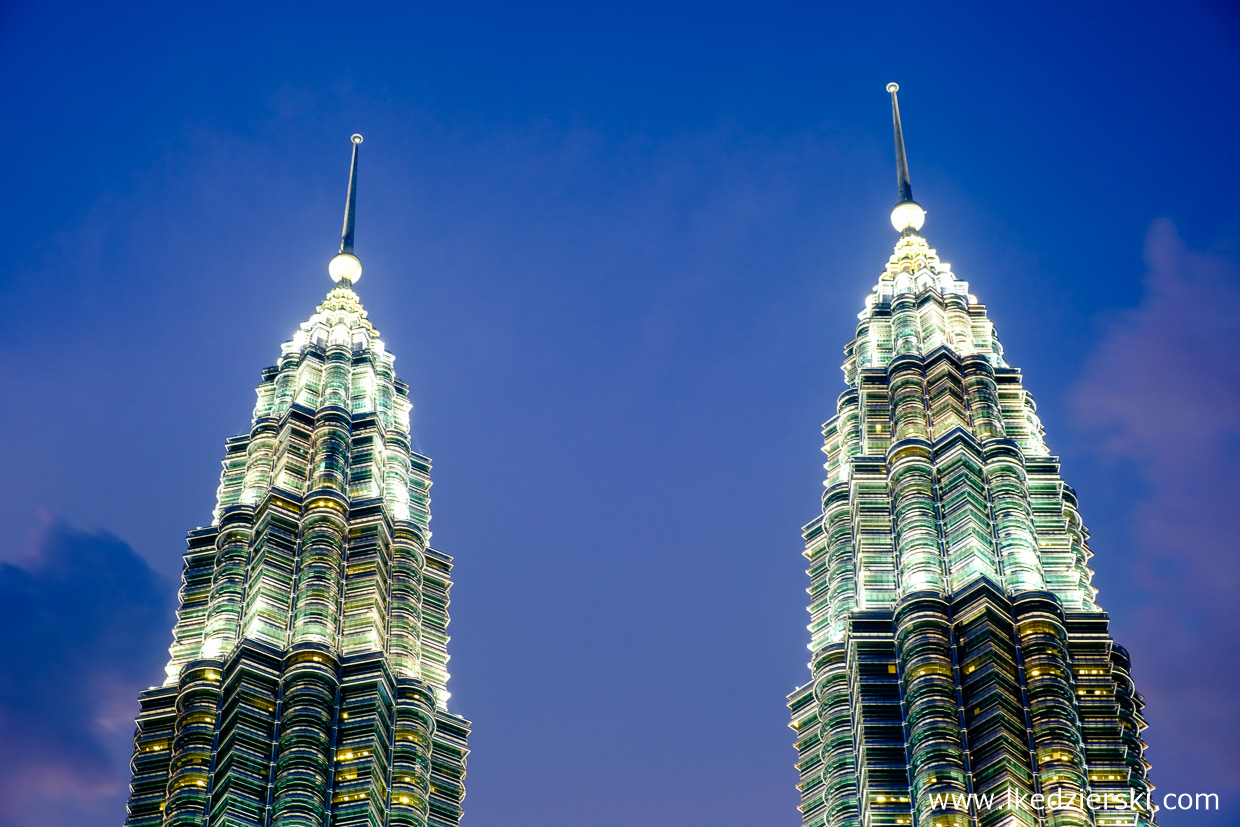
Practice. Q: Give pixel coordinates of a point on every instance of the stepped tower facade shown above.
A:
(962, 672)
(307, 679)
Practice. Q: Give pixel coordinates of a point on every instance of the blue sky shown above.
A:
(617, 249)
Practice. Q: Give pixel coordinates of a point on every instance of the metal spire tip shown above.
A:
(345, 266)
(908, 214)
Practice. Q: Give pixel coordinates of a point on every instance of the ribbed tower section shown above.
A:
(961, 667)
(307, 683)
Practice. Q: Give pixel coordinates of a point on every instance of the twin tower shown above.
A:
(962, 673)
(307, 683)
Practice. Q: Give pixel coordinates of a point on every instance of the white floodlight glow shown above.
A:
(345, 266)
(906, 215)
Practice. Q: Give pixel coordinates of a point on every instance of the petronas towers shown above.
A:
(307, 683)
(962, 672)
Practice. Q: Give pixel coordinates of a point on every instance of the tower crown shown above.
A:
(307, 681)
(959, 651)
(345, 266)
(907, 214)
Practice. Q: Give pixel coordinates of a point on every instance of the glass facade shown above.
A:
(307, 679)
(962, 672)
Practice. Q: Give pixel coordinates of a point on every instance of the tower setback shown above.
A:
(307, 683)
(962, 672)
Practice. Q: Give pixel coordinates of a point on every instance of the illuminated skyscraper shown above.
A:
(962, 672)
(307, 683)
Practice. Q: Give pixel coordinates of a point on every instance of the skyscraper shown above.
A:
(962, 672)
(307, 683)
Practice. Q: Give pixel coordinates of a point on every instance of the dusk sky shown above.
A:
(617, 250)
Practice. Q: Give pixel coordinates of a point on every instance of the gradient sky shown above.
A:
(617, 249)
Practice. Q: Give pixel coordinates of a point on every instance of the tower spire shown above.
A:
(346, 265)
(907, 214)
(906, 187)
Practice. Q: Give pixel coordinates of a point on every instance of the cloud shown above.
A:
(1162, 394)
(83, 627)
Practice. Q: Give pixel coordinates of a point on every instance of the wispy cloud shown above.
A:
(83, 626)
(1162, 392)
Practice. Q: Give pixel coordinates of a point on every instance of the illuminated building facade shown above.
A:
(962, 672)
(307, 683)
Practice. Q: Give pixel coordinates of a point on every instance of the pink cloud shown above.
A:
(83, 625)
(1162, 394)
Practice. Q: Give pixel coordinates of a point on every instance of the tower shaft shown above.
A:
(962, 672)
(307, 678)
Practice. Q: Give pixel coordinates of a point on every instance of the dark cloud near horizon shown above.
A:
(84, 627)
(1162, 391)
